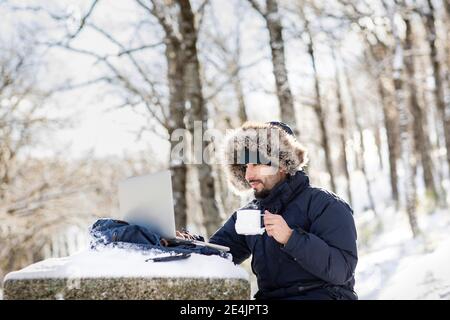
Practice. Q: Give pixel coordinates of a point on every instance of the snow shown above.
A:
(391, 264)
(399, 267)
(118, 262)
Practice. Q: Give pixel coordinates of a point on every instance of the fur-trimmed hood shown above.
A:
(270, 141)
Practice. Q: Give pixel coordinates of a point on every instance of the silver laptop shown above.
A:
(147, 201)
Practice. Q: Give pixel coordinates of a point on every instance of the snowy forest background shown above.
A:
(90, 92)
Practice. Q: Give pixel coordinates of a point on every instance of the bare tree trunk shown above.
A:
(357, 121)
(357, 152)
(421, 142)
(410, 192)
(444, 110)
(179, 194)
(377, 135)
(390, 121)
(237, 85)
(198, 111)
(407, 157)
(175, 71)
(237, 81)
(390, 115)
(342, 126)
(318, 108)
(279, 64)
(432, 124)
(273, 21)
(447, 47)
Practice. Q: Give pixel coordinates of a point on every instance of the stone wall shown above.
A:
(128, 288)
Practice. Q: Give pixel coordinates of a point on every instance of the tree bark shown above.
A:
(377, 136)
(421, 142)
(444, 110)
(353, 105)
(175, 72)
(390, 114)
(447, 47)
(237, 85)
(284, 93)
(432, 124)
(342, 126)
(318, 108)
(273, 21)
(404, 121)
(198, 112)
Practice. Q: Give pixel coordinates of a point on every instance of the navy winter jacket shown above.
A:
(320, 256)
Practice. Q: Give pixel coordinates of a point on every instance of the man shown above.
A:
(309, 248)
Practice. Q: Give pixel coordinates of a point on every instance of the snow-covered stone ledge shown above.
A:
(113, 273)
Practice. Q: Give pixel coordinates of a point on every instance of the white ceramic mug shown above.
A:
(248, 222)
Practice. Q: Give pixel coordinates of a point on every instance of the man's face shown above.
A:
(262, 178)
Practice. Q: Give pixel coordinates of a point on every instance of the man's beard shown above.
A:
(261, 194)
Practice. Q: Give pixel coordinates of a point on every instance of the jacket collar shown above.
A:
(284, 192)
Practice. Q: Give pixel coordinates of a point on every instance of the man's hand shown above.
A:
(277, 227)
(189, 236)
(185, 235)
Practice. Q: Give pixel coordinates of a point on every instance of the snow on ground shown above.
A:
(115, 262)
(399, 267)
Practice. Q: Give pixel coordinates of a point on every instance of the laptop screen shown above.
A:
(147, 201)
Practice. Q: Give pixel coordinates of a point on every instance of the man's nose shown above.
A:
(250, 172)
